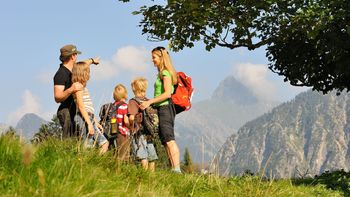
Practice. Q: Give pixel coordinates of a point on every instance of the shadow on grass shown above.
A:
(336, 180)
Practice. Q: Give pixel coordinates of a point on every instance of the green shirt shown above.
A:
(159, 88)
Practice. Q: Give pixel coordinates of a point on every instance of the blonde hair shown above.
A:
(81, 73)
(165, 63)
(120, 92)
(139, 86)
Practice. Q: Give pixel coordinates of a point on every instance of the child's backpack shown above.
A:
(108, 115)
(149, 119)
(183, 93)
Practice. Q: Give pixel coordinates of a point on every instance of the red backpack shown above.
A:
(183, 93)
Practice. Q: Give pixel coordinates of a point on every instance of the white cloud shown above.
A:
(48, 115)
(30, 104)
(134, 60)
(45, 77)
(254, 76)
(105, 70)
(288, 91)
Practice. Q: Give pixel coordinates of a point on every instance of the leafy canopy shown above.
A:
(307, 41)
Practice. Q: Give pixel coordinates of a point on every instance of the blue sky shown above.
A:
(32, 32)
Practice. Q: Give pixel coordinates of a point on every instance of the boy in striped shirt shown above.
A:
(123, 137)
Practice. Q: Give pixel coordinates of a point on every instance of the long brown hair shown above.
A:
(165, 63)
(81, 73)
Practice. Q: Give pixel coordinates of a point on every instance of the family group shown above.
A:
(76, 111)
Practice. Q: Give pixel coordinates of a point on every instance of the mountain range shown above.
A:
(207, 125)
(29, 124)
(303, 137)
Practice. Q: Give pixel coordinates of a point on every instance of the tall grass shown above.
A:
(62, 168)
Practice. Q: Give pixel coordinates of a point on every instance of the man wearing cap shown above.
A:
(64, 88)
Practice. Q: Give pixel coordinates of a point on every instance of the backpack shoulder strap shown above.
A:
(182, 78)
(138, 117)
(119, 104)
(138, 100)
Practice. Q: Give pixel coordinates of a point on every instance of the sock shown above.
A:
(177, 169)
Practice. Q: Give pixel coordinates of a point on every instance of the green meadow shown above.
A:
(62, 168)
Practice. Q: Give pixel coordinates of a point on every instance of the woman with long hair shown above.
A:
(163, 88)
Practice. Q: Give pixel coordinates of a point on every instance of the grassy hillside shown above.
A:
(57, 168)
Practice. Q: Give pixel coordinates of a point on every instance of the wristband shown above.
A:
(92, 60)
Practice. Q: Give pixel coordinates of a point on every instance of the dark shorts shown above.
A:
(166, 115)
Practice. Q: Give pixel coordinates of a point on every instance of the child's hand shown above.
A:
(76, 86)
(133, 131)
(99, 126)
(126, 121)
(91, 129)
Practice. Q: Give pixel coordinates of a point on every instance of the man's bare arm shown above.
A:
(61, 94)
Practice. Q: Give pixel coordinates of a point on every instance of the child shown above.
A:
(143, 147)
(123, 136)
(85, 119)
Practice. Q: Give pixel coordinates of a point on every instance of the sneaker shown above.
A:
(176, 171)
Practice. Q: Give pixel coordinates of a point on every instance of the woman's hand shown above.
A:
(145, 104)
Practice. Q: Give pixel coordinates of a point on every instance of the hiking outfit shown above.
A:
(142, 142)
(123, 135)
(166, 110)
(67, 109)
(82, 125)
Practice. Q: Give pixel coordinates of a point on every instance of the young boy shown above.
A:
(123, 137)
(143, 148)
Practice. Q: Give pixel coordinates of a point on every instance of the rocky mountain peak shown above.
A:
(234, 91)
(205, 127)
(29, 124)
(303, 137)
